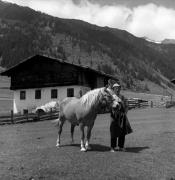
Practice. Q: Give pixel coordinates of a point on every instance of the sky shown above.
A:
(154, 19)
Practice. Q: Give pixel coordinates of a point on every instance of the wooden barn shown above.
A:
(39, 79)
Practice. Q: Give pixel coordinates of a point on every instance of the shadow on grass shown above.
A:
(103, 148)
(99, 147)
(95, 147)
(136, 149)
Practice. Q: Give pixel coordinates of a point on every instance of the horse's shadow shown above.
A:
(103, 148)
(94, 147)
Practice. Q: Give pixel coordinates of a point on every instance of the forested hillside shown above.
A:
(135, 61)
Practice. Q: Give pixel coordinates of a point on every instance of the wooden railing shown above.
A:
(137, 103)
(133, 103)
(18, 118)
(12, 118)
(170, 104)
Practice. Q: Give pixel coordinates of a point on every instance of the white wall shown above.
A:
(31, 103)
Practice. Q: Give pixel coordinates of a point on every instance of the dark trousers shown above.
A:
(121, 141)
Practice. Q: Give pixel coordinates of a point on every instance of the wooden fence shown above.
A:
(133, 103)
(170, 104)
(138, 103)
(12, 118)
(17, 118)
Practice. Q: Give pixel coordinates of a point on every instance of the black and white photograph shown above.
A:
(87, 89)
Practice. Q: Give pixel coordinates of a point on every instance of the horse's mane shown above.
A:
(91, 97)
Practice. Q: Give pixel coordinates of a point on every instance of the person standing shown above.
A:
(111, 82)
(119, 126)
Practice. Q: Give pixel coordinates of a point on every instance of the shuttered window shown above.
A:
(70, 92)
(54, 93)
(38, 94)
(22, 95)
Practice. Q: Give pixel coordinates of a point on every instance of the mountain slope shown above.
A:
(25, 32)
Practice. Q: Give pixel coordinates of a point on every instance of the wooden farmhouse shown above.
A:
(39, 79)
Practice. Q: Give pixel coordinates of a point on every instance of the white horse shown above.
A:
(83, 112)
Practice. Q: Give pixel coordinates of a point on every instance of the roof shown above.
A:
(9, 71)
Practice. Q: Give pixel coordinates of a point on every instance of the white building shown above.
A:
(39, 79)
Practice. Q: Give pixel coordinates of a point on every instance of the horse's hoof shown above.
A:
(58, 145)
(83, 149)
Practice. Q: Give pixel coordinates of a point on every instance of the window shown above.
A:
(37, 94)
(22, 95)
(70, 92)
(25, 111)
(54, 93)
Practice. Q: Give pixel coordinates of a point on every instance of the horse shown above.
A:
(83, 112)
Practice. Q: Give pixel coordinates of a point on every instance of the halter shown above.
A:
(104, 100)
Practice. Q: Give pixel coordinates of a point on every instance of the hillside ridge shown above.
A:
(25, 32)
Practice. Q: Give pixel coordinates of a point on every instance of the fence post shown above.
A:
(38, 118)
(139, 104)
(51, 113)
(27, 113)
(12, 119)
(151, 104)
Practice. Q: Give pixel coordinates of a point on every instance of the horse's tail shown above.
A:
(56, 122)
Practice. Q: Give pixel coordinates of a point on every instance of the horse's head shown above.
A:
(109, 98)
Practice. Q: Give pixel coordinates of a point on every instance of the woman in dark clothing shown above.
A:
(120, 125)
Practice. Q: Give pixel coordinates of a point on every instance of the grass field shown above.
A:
(27, 151)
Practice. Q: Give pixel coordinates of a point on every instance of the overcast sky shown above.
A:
(154, 19)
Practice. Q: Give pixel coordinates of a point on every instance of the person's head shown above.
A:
(111, 82)
(116, 88)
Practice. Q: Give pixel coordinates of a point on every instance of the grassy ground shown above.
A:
(27, 151)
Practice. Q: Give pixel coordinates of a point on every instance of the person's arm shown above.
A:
(125, 103)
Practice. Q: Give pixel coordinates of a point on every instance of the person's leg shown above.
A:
(113, 143)
(121, 142)
(113, 136)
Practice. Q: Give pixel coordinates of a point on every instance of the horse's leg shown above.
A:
(72, 133)
(60, 126)
(82, 137)
(89, 129)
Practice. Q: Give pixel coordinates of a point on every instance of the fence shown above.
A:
(138, 103)
(132, 104)
(170, 104)
(16, 118)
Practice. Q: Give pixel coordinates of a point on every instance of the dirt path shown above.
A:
(27, 151)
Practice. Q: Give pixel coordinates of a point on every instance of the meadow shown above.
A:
(28, 150)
